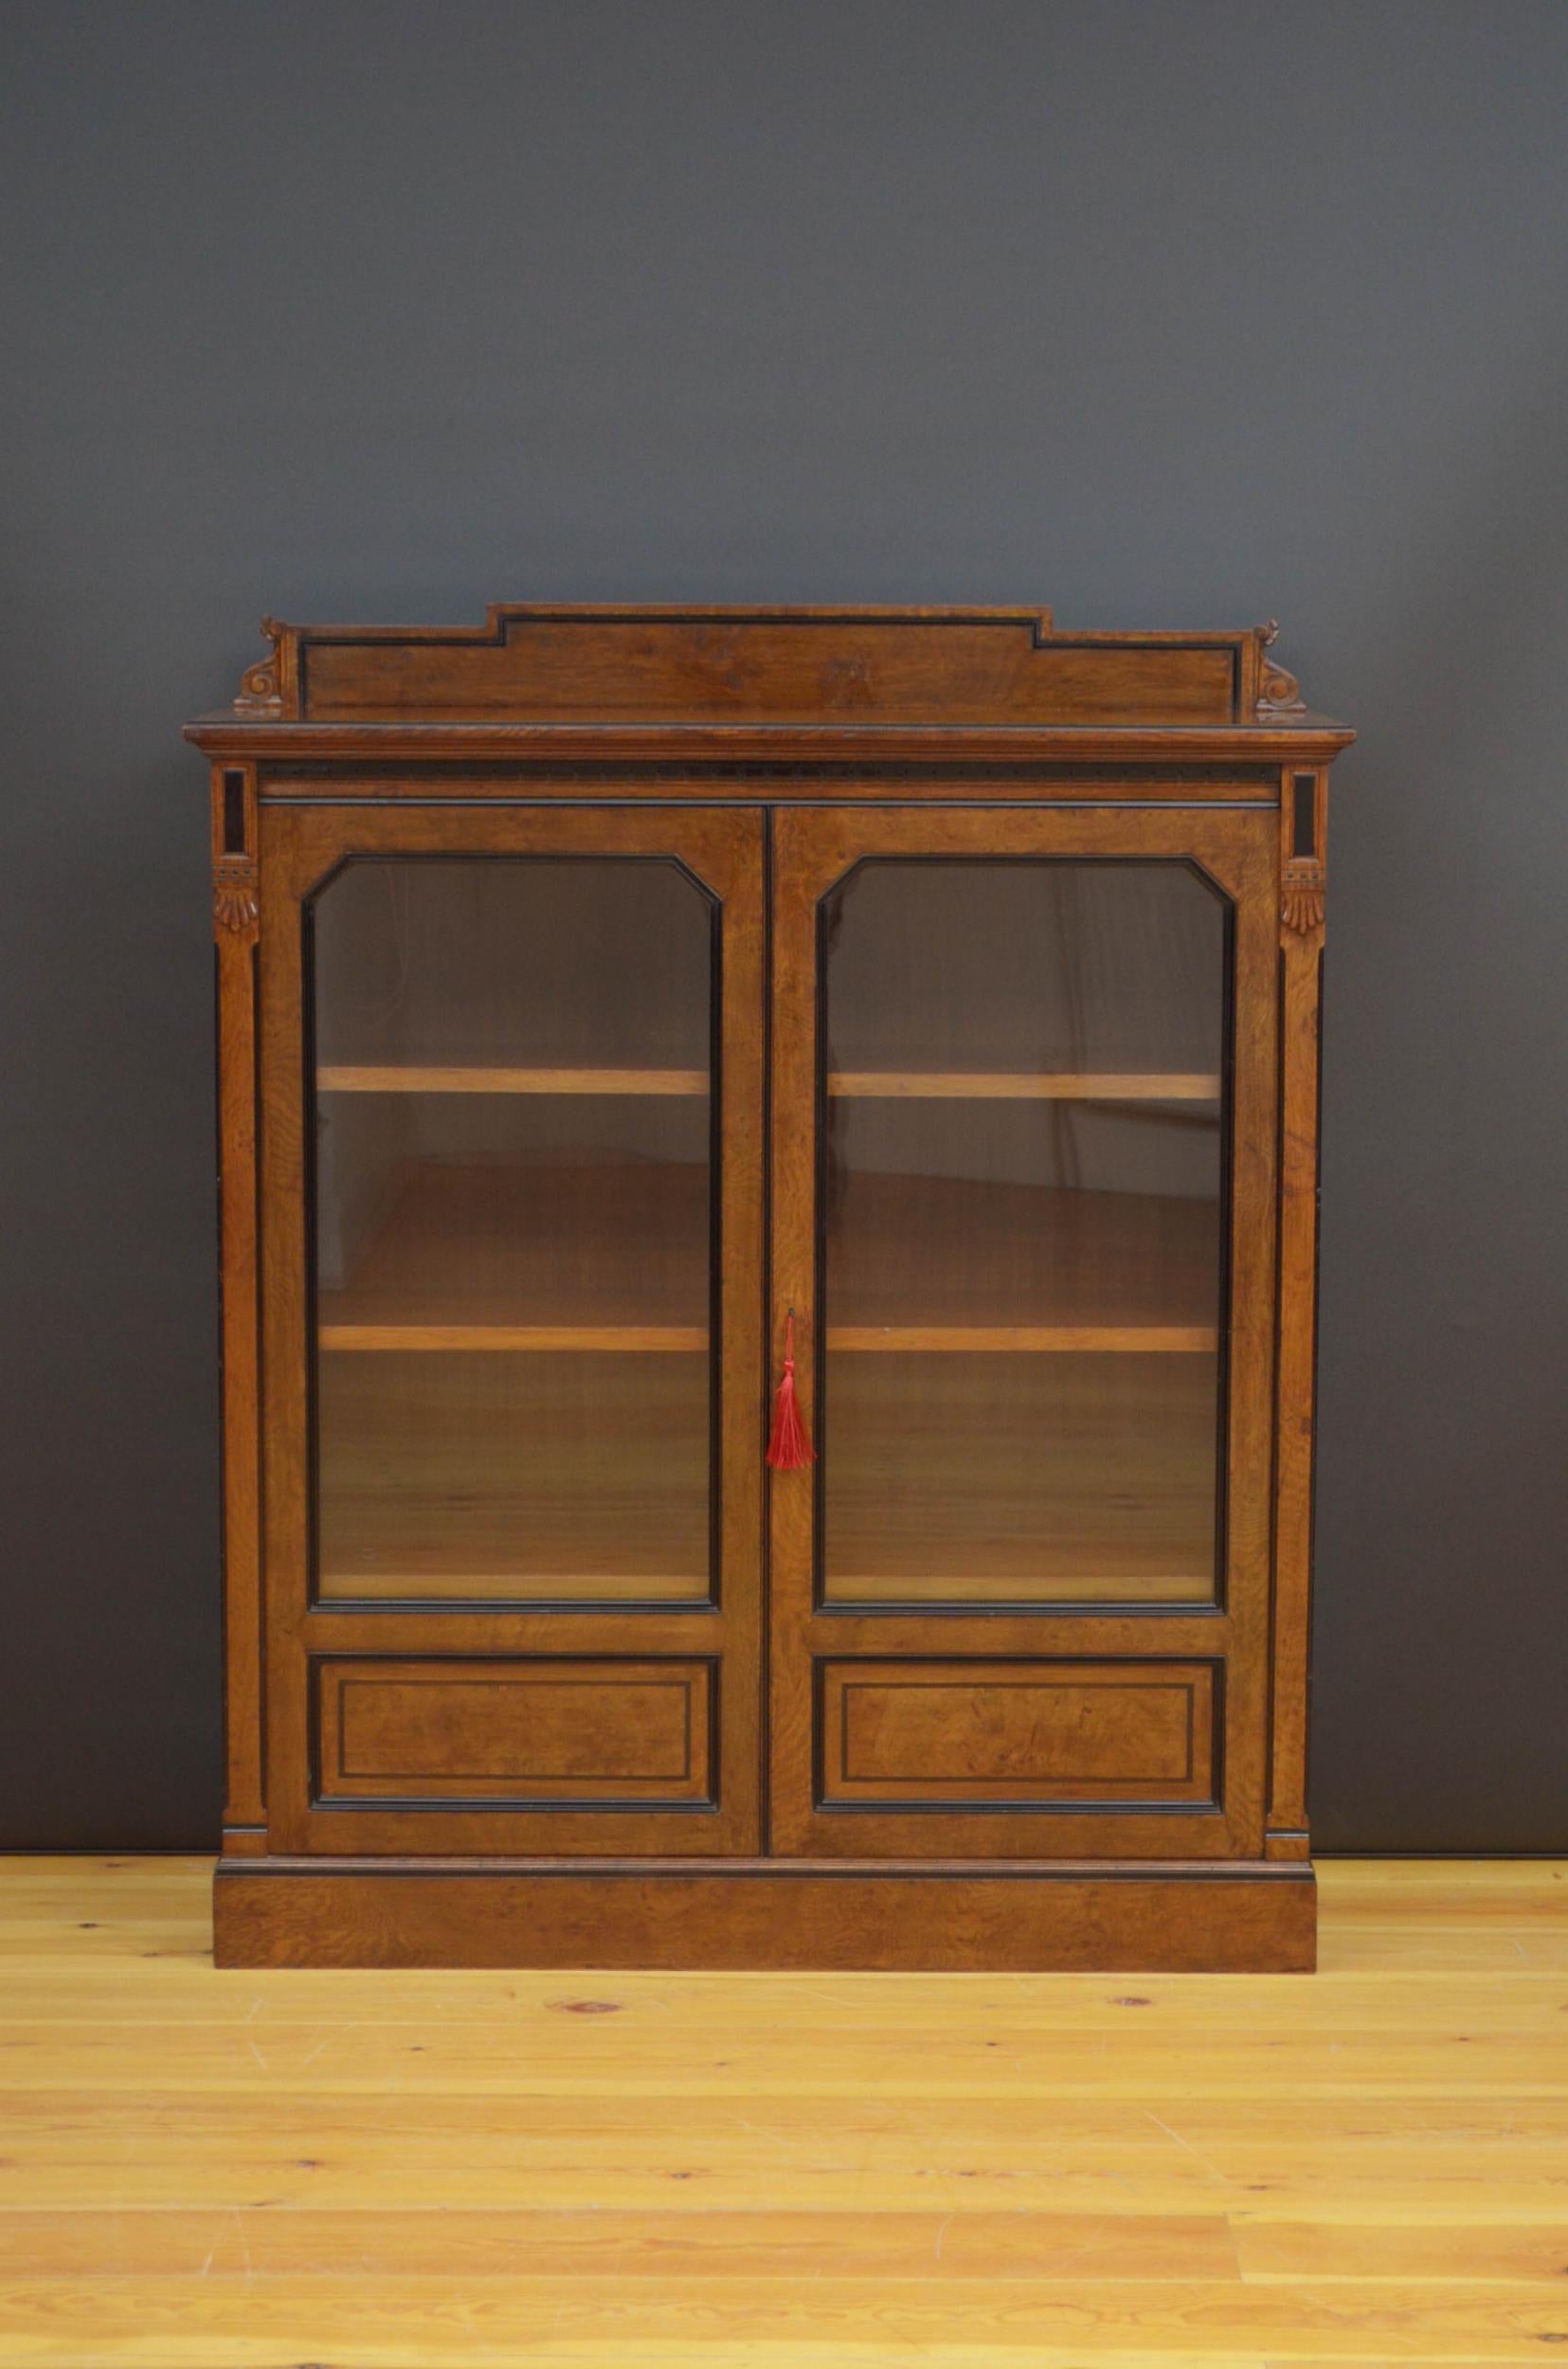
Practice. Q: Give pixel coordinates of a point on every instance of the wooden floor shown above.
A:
(377, 2171)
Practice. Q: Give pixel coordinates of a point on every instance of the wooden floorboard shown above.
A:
(401, 2171)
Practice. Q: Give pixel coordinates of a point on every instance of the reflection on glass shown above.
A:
(513, 1219)
(1024, 1188)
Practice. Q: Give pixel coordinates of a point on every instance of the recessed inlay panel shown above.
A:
(571, 1733)
(1010, 1732)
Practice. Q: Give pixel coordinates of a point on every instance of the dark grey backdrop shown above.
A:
(1165, 312)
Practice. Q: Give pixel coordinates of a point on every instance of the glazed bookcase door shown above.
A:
(1024, 1108)
(512, 1112)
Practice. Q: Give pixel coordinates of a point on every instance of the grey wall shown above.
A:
(1165, 312)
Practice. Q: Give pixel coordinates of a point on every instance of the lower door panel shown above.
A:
(1017, 1735)
(556, 1734)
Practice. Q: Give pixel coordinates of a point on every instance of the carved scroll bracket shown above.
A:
(261, 686)
(235, 903)
(1278, 692)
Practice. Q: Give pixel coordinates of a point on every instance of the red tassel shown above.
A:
(789, 1447)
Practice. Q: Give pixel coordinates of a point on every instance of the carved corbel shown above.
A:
(235, 903)
(261, 686)
(1278, 692)
(1300, 899)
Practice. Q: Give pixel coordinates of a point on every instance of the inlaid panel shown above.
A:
(1025, 1732)
(546, 1731)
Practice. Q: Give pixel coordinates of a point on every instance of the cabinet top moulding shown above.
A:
(812, 686)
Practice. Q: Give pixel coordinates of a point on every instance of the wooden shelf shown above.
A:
(345, 1078)
(1058, 1585)
(1029, 1340)
(515, 1585)
(597, 1339)
(898, 1085)
(684, 1340)
(1025, 1085)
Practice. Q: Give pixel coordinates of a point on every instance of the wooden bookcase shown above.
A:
(597, 989)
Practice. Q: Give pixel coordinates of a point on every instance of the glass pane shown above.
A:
(1024, 1184)
(514, 1212)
